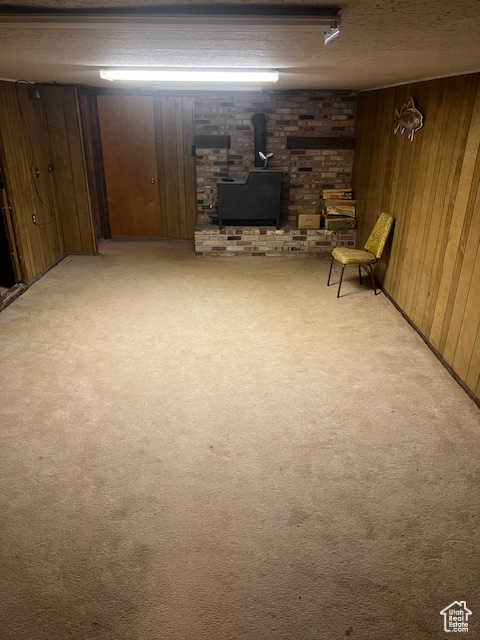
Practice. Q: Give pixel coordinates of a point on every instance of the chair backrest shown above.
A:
(378, 238)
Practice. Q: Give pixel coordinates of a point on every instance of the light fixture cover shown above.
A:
(190, 75)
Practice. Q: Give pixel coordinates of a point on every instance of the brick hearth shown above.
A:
(268, 241)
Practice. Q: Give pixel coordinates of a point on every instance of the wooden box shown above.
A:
(308, 221)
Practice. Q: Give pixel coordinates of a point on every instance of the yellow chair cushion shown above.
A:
(353, 256)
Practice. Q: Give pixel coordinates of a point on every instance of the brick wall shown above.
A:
(300, 113)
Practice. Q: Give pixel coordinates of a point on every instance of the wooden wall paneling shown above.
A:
(30, 159)
(13, 180)
(162, 190)
(432, 187)
(47, 216)
(386, 145)
(368, 143)
(439, 218)
(375, 167)
(180, 179)
(174, 131)
(465, 332)
(190, 184)
(19, 180)
(472, 378)
(94, 162)
(385, 116)
(402, 213)
(65, 191)
(422, 194)
(462, 324)
(48, 181)
(400, 152)
(431, 203)
(77, 159)
(394, 172)
(462, 214)
(461, 115)
(415, 184)
(410, 154)
(432, 210)
(390, 147)
(24, 147)
(360, 178)
(170, 183)
(82, 210)
(52, 242)
(431, 146)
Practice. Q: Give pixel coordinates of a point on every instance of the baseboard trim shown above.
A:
(436, 353)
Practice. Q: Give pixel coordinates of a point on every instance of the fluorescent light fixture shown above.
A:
(190, 75)
(330, 35)
(200, 19)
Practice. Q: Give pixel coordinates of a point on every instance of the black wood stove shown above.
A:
(253, 201)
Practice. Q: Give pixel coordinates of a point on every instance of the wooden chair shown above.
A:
(367, 256)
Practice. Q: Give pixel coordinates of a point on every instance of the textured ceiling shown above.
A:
(382, 42)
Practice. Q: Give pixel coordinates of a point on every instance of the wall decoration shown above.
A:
(408, 119)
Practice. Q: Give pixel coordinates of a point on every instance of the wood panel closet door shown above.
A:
(129, 155)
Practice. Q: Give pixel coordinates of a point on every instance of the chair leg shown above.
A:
(373, 279)
(330, 272)
(360, 273)
(340, 283)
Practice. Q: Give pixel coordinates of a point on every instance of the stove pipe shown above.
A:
(259, 121)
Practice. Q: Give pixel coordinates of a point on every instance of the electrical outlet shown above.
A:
(34, 219)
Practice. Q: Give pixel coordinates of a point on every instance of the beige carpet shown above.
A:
(196, 449)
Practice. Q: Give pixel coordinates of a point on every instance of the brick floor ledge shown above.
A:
(268, 241)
